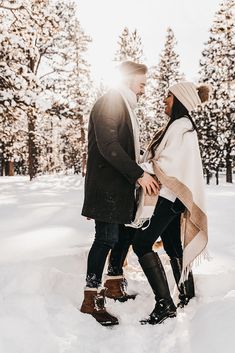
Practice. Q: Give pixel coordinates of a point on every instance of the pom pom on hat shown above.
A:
(204, 92)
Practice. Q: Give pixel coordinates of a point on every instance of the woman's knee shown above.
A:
(173, 250)
(140, 246)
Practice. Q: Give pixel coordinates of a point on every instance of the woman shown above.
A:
(174, 158)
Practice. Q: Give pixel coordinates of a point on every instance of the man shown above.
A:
(112, 173)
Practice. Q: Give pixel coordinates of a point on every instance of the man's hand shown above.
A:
(149, 184)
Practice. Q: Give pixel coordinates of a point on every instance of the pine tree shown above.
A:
(74, 86)
(161, 77)
(206, 118)
(42, 48)
(18, 86)
(129, 47)
(26, 40)
(217, 67)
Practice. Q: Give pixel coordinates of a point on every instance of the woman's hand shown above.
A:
(149, 184)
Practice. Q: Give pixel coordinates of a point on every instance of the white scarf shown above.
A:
(130, 100)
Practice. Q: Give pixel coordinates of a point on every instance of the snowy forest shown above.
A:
(46, 88)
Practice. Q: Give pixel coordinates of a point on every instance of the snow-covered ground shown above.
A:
(43, 248)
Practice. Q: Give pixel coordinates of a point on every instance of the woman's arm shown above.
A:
(147, 167)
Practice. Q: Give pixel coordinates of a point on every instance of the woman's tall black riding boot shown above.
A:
(186, 289)
(154, 271)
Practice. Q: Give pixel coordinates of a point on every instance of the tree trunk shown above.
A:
(2, 162)
(1, 166)
(217, 176)
(7, 168)
(75, 164)
(32, 160)
(84, 148)
(11, 168)
(83, 164)
(229, 172)
(4, 167)
(208, 177)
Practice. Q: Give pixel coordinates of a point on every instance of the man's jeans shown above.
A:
(108, 236)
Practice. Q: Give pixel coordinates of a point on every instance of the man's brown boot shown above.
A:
(94, 304)
(116, 288)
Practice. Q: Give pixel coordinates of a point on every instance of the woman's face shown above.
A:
(169, 103)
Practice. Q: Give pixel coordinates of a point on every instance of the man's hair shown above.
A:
(130, 68)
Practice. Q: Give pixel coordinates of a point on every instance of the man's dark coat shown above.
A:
(111, 168)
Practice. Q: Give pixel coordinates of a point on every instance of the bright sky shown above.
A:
(104, 21)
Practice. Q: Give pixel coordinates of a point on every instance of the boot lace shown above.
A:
(99, 301)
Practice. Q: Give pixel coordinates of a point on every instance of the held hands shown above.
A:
(149, 184)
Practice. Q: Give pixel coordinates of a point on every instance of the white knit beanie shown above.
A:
(187, 94)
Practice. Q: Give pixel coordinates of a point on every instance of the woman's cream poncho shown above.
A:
(178, 166)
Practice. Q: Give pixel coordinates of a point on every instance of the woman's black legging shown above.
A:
(165, 223)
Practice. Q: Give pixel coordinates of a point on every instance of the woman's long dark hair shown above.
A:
(178, 111)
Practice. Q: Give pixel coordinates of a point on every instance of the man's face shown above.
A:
(137, 84)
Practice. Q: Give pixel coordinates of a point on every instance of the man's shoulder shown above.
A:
(112, 95)
(111, 98)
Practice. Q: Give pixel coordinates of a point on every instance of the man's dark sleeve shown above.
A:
(106, 119)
